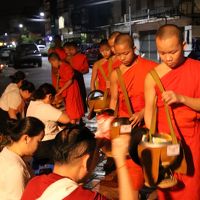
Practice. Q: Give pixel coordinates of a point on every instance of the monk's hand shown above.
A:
(171, 97)
(136, 118)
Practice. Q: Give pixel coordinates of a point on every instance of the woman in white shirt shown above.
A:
(25, 136)
(16, 81)
(12, 103)
(41, 108)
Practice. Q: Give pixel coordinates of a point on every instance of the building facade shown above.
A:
(91, 19)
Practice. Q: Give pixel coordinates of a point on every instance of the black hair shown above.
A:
(30, 126)
(103, 42)
(44, 90)
(73, 44)
(72, 143)
(17, 77)
(54, 56)
(26, 85)
(67, 44)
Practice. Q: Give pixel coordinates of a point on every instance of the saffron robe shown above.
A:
(54, 72)
(134, 82)
(73, 101)
(38, 184)
(80, 65)
(184, 80)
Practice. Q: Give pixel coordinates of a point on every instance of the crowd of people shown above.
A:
(35, 126)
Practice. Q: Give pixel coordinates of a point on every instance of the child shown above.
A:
(102, 68)
(68, 88)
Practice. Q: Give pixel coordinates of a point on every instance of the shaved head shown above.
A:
(170, 30)
(124, 38)
(111, 40)
(114, 35)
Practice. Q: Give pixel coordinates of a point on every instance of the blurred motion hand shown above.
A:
(120, 146)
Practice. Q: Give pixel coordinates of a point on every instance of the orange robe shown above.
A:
(73, 101)
(101, 80)
(80, 65)
(134, 81)
(184, 80)
(62, 56)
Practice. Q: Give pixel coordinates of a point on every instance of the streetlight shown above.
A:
(21, 25)
(41, 14)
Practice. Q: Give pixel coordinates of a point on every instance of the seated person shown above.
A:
(41, 108)
(12, 103)
(16, 81)
(25, 136)
(74, 152)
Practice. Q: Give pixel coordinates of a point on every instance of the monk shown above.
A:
(111, 42)
(68, 88)
(181, 80)
(56, 48)
(102, 68)
(133, 70)
(80, 65)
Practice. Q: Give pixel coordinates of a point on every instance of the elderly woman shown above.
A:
(25, 136)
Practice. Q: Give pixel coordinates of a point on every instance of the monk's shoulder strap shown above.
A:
(123, 87)
(99, 66)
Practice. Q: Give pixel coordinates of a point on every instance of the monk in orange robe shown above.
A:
(111, 41)
(80, 65)
(57, 48)
(102, 68)
(133, 69)
(181, 80)
(68, 88)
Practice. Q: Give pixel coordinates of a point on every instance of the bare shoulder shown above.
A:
(113, 76)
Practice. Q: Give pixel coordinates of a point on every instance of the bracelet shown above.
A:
(121, 166)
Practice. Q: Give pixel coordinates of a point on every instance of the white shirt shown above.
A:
(14, 175)
(11, 87)
(11, 98)
(48, 114)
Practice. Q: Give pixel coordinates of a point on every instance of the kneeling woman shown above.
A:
(12, 103)
(41, 108)
(68, 88)
(25, 136)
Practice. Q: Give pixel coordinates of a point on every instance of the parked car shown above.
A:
(42, 46)
(5, 53)
(26, 54)
(92, 52)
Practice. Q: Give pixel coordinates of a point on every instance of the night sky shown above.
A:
(9, 9)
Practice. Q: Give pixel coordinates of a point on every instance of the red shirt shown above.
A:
(38, 185)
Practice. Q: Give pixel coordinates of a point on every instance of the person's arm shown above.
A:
(149, 95)
(85, 66)
(171, 97)
(113, 90)
(64, 118)
(65, 86)
(94, 77)
(119, 152)
(12, 113)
